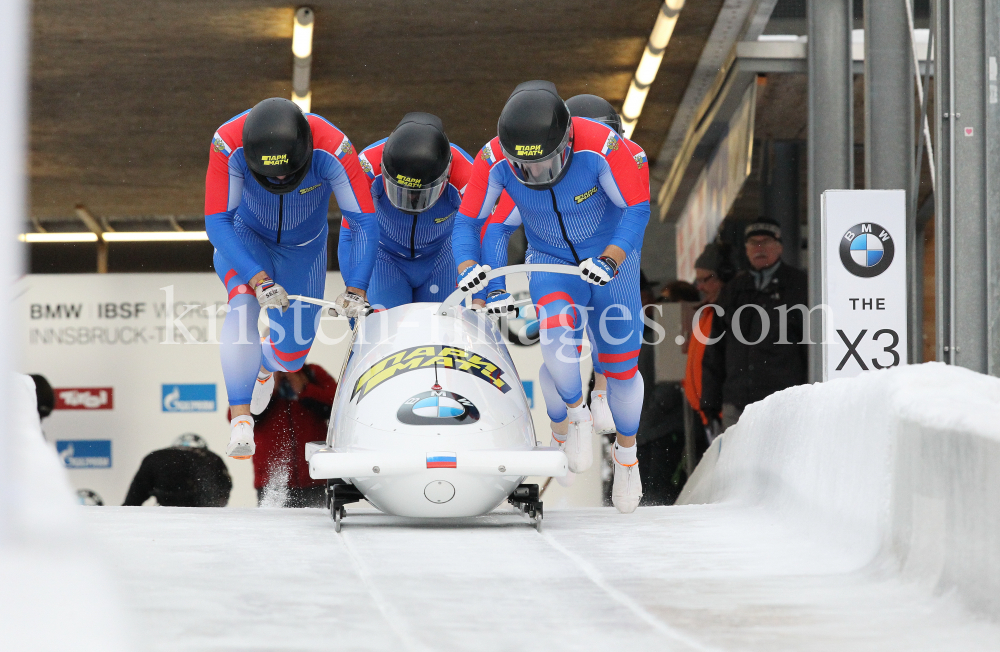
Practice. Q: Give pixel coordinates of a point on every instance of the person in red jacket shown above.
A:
(298, 413)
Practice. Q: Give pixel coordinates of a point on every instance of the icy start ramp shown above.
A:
(831, 518)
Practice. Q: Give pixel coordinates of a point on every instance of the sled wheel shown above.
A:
(338, 515)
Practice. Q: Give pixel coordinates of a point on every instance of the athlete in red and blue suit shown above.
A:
(583, 203)
(495, 236)
(414, 257)
(270, 176)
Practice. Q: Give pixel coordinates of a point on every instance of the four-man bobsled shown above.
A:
(430, 418)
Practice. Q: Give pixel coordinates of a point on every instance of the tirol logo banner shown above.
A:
(429, 357)
(84, 398)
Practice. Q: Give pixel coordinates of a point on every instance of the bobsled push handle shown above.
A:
(457, 297)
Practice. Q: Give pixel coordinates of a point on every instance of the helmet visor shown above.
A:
(543, 172)
(411, 199)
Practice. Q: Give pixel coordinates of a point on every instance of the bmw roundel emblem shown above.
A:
(866, 250)
(437, 408)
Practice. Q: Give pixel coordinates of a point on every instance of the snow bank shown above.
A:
(55, 595)
(900, 468)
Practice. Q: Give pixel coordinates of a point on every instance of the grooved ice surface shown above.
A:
(700, 577)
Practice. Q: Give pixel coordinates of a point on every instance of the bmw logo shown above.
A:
(437, 408)
(866, 250)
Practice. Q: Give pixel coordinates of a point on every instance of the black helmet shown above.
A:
(277, 142)
(416, 162)
(595, 108)
(190, 440)
(536, 134)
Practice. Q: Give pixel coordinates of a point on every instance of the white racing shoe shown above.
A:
(262, 390)
(627, 488)
(579, 447)
(241, 446)
(604, 423)
(566, 480)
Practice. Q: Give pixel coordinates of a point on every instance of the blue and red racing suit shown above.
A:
(494, 238)
(602, 199)
(413, 261)
(254, 230)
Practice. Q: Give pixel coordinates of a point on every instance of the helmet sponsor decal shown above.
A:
(409, 182)
(428, 357)
(279, 159)
(437, 408)
(579, 199)
(527, 150)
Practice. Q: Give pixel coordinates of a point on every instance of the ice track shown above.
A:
(699, 577)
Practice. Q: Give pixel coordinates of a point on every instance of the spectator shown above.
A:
(44, 395)
(735, 370)
(185, 475)
(298, 413)
(711, 272)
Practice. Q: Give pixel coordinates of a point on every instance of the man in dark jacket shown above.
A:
(185, 475)
(298, 413)
(752, 360)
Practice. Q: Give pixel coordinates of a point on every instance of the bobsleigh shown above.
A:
(430, 418)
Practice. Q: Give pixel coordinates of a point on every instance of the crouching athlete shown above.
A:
(495, 236)
(271, 172)
(582, 201)
(417, 179)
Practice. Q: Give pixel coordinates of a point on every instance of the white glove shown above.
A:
(271, 295)
(500, 302)
(598, 271)
(352, 305)
(473, 278)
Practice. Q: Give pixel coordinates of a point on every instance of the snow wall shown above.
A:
(56, 594)
(901, 468)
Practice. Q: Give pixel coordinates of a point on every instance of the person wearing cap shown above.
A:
(738, 369)
(416, 177)
(271, 173)
(583, 203)
(185, 475)
(711, 272)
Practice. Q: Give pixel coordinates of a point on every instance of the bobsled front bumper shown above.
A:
(325, 463)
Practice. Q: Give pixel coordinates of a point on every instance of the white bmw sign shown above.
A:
(864, 280)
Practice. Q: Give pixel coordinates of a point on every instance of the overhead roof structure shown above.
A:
(126, 96)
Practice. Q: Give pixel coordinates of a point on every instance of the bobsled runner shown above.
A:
(430, 418)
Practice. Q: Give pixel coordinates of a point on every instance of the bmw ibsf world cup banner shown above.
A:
(864, 281)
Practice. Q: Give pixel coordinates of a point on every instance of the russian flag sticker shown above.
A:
(441, 461)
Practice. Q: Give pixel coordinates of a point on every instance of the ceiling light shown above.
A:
(302, 33)
(154, 236)
(58, 237)
(649, 65)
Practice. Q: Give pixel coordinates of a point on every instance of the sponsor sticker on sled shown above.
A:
(84, 398)
(188, 398)
(429, 357)
(85, 453)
